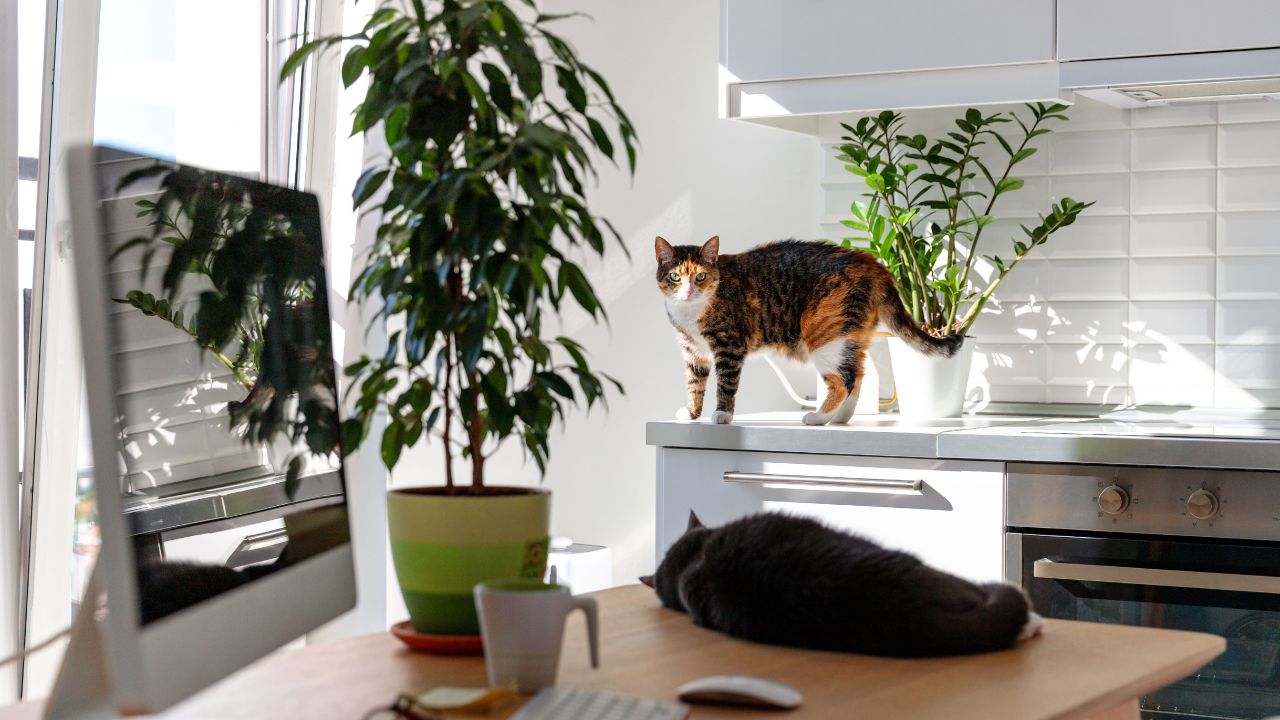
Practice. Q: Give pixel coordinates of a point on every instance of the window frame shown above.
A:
(42, 538)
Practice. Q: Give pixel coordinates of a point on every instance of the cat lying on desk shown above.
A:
(786, 580)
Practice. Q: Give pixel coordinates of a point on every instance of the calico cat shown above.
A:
(806, 300)
(786, 580)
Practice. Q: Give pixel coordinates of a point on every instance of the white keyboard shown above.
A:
(564, 703)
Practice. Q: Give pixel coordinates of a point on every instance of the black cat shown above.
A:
(786, 580)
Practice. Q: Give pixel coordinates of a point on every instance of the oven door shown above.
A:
(1226, 588)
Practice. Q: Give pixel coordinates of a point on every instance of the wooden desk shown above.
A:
(1074, 671)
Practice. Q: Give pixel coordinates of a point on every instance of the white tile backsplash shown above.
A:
(1171, 321)
(1249, 189)
(1097, 236)
(1011, 364)
(1110, 193)
(1172, 365)
(1166, 235)
(1172, 278)
(1248, 111)
(1249, 322)
(1248, 367)
(1173, 191)
(1175, 148)
(1086, 322)
(1030, 281)
(1248, 232)
(1089, 152)
(1166, 291)
(1188, 114)
(1249, 144)
(1101, 279)
(1025, 322)
(1089, 364)
(1248, 277)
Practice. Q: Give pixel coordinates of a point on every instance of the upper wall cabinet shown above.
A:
(1134, 53)
(788, 39)
(1097, 29)
(785, 61)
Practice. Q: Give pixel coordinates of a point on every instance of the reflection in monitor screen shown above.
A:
(225, 392)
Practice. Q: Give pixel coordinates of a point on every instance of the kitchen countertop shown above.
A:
(1048, 437)
(886, 434)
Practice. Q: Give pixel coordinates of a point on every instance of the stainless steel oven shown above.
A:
(1170, 548)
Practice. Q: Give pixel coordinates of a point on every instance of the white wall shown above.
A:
(698, 176)
(1165, 291)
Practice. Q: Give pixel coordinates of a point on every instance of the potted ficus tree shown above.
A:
(928, 203)
(493, 124)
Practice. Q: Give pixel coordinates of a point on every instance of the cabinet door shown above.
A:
(773, 40)
(1096, 29)
(947, 512)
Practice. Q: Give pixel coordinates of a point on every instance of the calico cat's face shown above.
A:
(688, 273)
(684, 553)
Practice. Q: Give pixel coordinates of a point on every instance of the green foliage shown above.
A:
(489, 118)
(929, 201)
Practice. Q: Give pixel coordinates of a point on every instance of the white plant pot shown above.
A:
(930, 386)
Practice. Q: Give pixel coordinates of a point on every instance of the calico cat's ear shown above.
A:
(663, 250)
(710, 250)
(694, 522)
(647, 580)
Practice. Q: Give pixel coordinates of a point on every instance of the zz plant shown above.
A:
(491, 121)
(929, 202)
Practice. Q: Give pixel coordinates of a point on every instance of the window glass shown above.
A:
(183, 79)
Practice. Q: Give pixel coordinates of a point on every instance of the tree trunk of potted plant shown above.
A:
(928, 203)
(484, 210)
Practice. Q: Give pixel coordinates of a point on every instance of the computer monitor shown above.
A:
(214, 416)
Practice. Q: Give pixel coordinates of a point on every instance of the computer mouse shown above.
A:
(740, 690)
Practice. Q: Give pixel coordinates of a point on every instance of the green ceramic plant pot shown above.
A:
(444, 544)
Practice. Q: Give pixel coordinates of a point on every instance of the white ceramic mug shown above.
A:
(522, 623)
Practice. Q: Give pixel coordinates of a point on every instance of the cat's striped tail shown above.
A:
(893, 313)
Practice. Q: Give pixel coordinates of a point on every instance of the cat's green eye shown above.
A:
(700, 277)
(674, 277)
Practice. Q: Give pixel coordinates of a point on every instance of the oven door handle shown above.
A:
(1186, 579)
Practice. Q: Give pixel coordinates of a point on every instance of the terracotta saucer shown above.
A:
(437, 644)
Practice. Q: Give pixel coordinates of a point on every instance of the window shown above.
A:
(189, 80)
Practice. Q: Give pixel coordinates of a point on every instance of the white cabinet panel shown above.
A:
(953, 522)
(772, 40)
(1093, 29)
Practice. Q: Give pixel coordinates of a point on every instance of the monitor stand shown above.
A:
(81, 691)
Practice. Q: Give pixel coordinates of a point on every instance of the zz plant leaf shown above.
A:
(929, 201)
(494, 125)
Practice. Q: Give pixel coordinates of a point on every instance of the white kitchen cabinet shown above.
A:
(947, 512)
(1099, 29)
(782, 63)
(772, 40)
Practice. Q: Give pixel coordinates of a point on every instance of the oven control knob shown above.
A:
(1113, 500)
(1202, 505)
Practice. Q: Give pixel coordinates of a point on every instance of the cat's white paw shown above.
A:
(1034, 625)
(683, 414)
(816, 418)
(720, 417)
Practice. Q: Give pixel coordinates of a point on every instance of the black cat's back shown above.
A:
(787, 580)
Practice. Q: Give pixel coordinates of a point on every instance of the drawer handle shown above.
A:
(1154, 577)
(830, 484)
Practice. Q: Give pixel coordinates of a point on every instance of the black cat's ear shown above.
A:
(647, 580)
(710, 250)
(663, 250)
(694, 521)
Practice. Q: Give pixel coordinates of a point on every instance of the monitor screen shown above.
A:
(225, 395)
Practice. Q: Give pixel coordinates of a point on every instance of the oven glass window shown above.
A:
(1244, 682)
